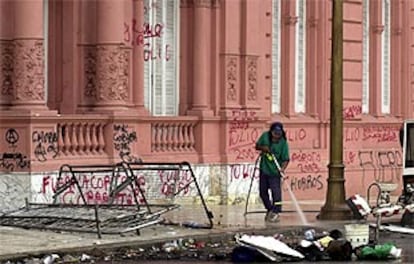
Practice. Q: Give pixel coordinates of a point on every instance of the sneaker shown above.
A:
(273, 217)
(267, 216)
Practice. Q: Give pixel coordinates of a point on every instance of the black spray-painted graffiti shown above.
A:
(309, 182)
(383, 164)
(45, 145)
(122, 141)
(12, 137)
(13, 160)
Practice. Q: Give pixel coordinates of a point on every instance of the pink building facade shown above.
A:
(92, 82)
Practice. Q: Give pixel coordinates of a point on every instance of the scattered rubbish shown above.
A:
(395, 228)
(378, 252)
(339, 250)
(85, 257)
(357, 234)
(50, 259)
(310, 234)
(269, 243)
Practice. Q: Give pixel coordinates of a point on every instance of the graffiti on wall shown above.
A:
(141, 35)
(94, 186)
(384, 165)
(296, 135)
(155, 184)
(123, 138)
(374, 134)
(12, 160)
(352, 112)
(45, 145)
(311, 182)
(243, 137)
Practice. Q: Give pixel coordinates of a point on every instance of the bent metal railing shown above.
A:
(84, 213)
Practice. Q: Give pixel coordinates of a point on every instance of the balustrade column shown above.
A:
(29, 56)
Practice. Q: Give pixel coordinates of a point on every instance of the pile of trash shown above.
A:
(313, 246)
(296, 244)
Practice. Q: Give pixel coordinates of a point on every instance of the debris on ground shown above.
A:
(297, 244)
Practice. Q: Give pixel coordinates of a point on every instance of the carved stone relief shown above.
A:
(107, 73)
(6, 69)
(232, 66)
(251, 78)
(29, 70)
(90, 72)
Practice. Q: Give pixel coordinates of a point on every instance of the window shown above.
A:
(161, 57)
(276, 56)
(386, 54)
(365, 56)
(300, 60)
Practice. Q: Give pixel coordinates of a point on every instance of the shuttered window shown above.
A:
(300, 60)
(365, 56)
(276, 56)
(161, 57)
(386, 57)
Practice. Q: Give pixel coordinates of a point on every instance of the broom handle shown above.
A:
(278, 166)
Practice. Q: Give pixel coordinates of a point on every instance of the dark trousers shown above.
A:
(273, 183)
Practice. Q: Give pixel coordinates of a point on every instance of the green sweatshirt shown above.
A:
(279, 149)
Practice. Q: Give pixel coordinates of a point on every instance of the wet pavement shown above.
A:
(202, 245)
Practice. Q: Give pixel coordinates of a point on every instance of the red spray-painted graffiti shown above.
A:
(307, 162)
(351, 112)
(242, 137)
(94, 188)
(140, 36)
(243, 171)
(172, 181)
(294, 135)
(377, 134)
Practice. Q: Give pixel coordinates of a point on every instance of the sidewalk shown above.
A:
(228, 220)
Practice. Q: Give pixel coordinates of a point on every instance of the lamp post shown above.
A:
(335, 207)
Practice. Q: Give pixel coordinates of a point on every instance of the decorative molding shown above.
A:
(232, 65)
(6, 69)
(377, 29)
(90, 72)
(313, 22)
(291, 20)
(397, 31)
(112, 73)
(200, 3)
(251, 64)
(29, 79)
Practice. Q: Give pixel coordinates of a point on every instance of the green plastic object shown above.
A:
(377, 252)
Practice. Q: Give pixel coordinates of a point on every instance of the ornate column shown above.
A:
(6, 54)
(201, 57)
(289, 20)
(138, 58)
(112, 90)
(251, 43)
(313, 51)
(376, 30)
(397, 98)
(29, 57)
